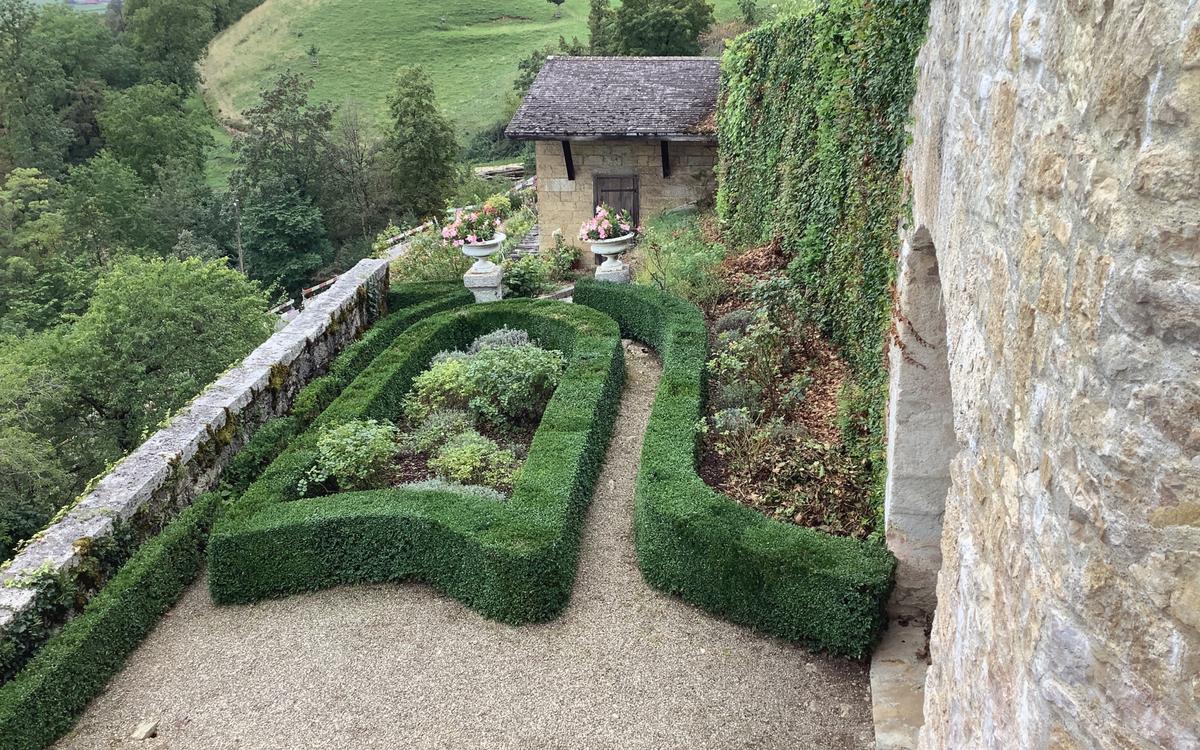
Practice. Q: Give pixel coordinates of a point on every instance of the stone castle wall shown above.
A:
(1056, 169)
(565, 204)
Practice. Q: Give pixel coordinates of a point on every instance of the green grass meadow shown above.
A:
(470, 47)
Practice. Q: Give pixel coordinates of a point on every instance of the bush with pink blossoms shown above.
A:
(608, 223)
(472, 227)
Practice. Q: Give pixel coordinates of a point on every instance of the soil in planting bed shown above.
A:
(802, 474)
(407, 467)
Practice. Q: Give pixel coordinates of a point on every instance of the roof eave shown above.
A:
(529, 136)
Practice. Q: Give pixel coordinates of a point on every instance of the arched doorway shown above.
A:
(920, 429)
(921, 444)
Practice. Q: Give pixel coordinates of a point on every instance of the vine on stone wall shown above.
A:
(812, 127)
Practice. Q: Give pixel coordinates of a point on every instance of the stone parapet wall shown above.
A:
(153, 483)
(565, 204)
(1056, 168)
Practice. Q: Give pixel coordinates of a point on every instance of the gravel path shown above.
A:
(405, 667)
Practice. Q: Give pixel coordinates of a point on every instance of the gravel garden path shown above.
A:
(404, 667)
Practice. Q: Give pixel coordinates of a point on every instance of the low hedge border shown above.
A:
(42, 701)
(825, 591)
(513, 562)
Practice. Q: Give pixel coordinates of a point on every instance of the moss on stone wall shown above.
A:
(813, 126)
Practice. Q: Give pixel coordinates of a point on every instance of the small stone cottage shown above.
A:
(634, 132)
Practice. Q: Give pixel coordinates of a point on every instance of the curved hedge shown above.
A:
(828, 592)
(42, 701)
(514, 562)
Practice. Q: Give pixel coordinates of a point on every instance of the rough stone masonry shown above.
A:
(1056, 169)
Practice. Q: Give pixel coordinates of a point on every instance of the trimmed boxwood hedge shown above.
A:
(514, 561)
(42, 702)
(828, 592)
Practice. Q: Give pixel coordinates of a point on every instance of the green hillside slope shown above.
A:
(470, 47)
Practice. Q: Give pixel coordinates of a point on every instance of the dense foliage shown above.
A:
(80, 396)
(648, 27)
(817, 166)
(826, 591)
(676, 256)
(420, 147)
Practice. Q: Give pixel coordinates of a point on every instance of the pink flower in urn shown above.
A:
(459, 243)
(624, 227)
(472, 239)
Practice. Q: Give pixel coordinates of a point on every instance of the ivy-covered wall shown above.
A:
(812, 127)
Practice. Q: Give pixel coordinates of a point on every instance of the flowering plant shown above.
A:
(473, 227)
(608, 223)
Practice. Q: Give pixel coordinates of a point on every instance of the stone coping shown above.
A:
(146, 472)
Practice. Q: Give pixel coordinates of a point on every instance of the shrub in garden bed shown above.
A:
(501, 384)
(828, 592)
(513, 561)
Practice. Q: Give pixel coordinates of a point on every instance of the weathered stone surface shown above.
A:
(487, 285)
(1054, 167)
(182, 460)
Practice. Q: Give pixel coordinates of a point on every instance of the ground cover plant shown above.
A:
(512, 561)
(43, 699)
(826, 591)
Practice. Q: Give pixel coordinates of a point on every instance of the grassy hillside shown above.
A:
(470, 47)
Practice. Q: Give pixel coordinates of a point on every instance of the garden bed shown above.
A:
(512, 561)
(782, 433)
(823, 590)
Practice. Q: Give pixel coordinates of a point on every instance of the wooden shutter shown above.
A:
(618, 191)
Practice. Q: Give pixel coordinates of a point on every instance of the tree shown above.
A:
(156, 333)
(601, 28)
(287, 139)
(147, 127)
(281, 180)
(360, 184)
(55, 67)
(421, 149)
(171, 36)
(105, 209)
(40, 280)
(285, 239)
(33, 485)
(661, 27)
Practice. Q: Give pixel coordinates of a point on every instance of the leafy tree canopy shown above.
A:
(170, 36)
(147, 126)
(421, 149)
(662, 27)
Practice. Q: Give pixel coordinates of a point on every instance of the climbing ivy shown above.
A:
(812, 128)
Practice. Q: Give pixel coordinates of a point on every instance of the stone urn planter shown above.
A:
(613, 268)
(481, 251)
(485, 279)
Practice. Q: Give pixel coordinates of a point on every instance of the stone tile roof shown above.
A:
(620, 97)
